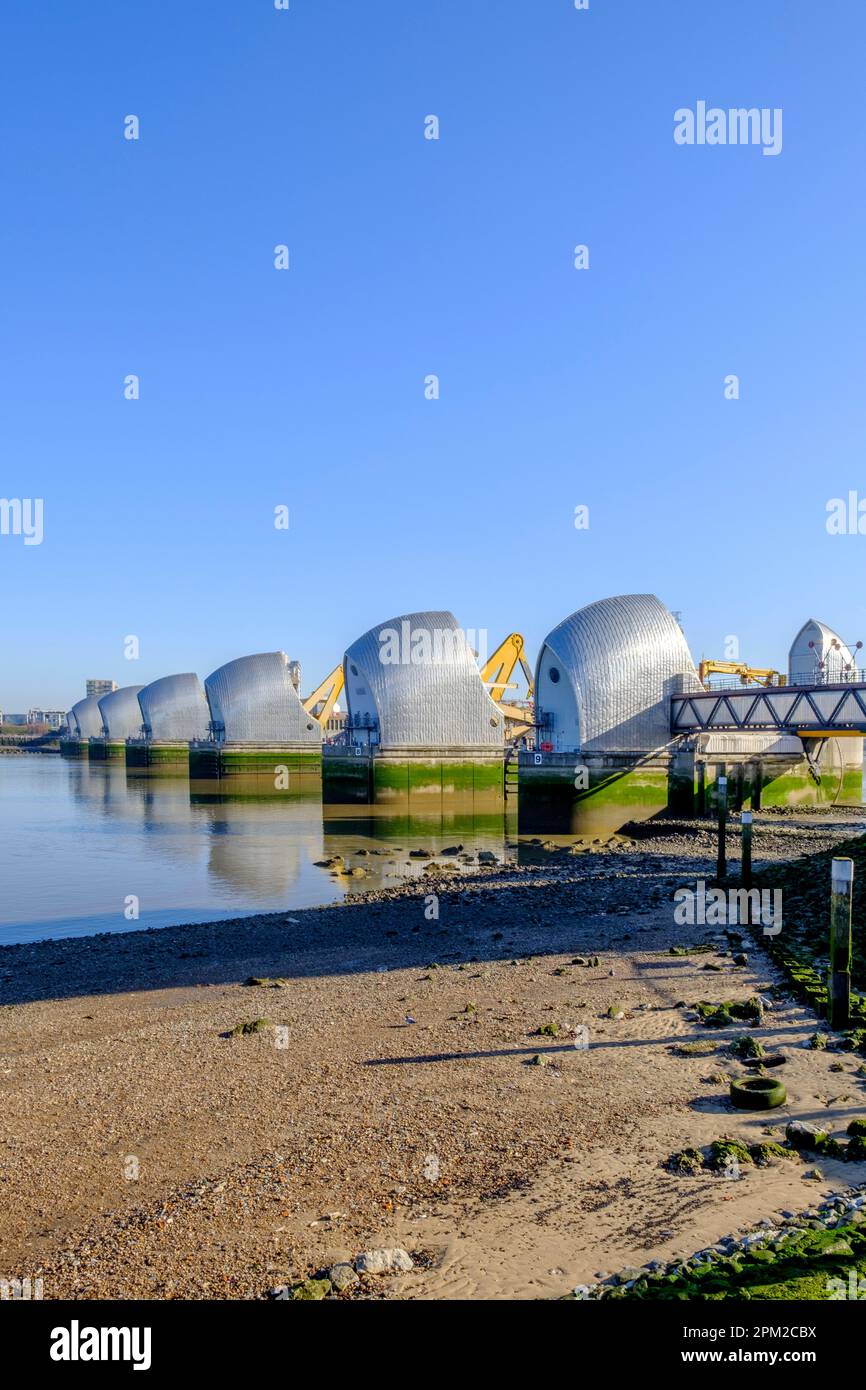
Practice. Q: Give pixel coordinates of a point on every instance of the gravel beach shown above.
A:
(398, 1091)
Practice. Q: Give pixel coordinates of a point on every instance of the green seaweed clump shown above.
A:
(312, 1290)
(257, 1025)
(694, 1049)
(548, 1030)
(722, 1015)
(687, 1161)
(812, 1267)
(830, 1148)
(764, 1153)
(747, 1047)
(723, 1152)
(857, 1128)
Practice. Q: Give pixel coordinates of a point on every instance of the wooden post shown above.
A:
(746, 855)
(839, 984)
(722, 801)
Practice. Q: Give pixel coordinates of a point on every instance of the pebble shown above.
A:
(342, 1276)
(383, 1261)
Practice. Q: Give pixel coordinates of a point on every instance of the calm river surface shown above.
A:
(77, 839)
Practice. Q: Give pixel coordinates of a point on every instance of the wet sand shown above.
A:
(146, 1155)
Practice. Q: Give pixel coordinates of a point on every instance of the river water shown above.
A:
(79, 841)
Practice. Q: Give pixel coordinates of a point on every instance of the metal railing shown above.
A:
(854, 675)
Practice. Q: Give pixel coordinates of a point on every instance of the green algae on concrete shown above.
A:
(788, 782)
(268, 761)
(590, 792)
(74, 748)
(227, 760)
(346, 778)
(166, 756)
(619, 788)
(416, 782)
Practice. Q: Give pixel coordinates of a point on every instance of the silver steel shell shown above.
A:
(818, 656)
(121, 713)
(252, 700)
(605, 675)
(174, 709)
(437, 700)
(88, 718)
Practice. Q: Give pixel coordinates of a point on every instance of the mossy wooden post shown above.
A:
(746, 853)
(722, 801)
(839, 991)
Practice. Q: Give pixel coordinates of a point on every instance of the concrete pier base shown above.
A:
(591, 794)
(164, 757)
(74, 748)
(414, 778)
(212, 760)
(102, 750)
(586, 792)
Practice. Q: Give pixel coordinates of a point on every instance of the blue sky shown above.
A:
(409, 257)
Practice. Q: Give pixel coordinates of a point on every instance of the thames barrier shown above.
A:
(616, 721)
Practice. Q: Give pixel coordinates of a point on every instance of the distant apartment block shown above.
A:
(54, 718)
(100, 688)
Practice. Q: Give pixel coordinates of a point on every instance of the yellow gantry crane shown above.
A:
(496, 674)
(321, 701)
(749, 675)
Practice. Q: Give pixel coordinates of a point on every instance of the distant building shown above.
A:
(12, 718)
(100, 688)
(54, 718)
(335, 723)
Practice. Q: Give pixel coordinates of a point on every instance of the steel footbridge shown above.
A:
(809, 711)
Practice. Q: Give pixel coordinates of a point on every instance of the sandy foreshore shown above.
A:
(394, 1101)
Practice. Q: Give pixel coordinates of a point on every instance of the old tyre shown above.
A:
(758, 1093)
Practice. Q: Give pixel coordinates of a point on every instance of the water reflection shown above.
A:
(81, 837)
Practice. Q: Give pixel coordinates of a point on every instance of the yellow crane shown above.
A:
(749, 675)
(496, 674)
(325, 696)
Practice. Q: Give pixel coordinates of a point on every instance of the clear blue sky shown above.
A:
(306, 388)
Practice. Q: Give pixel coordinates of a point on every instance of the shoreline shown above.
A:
(259, 1164)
